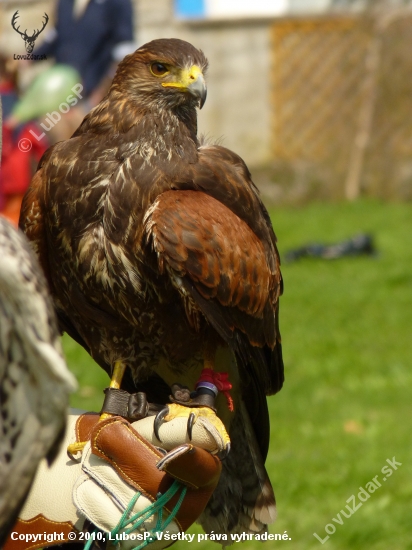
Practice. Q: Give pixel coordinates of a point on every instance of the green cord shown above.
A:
(138, 519)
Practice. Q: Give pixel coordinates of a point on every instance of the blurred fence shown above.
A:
(342, 102)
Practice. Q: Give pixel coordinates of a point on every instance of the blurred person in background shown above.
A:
(46, 112)
(92, 36)
(20, 154)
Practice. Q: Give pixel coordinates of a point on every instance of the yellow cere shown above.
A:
(187, 77)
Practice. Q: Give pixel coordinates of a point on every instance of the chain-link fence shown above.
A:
(342, 102)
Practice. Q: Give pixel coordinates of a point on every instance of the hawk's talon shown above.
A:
(190, 422)
(206, 417)
(158, 421)
(75, 448)
(222, 455)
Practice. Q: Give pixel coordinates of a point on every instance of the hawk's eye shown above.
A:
(158, 69)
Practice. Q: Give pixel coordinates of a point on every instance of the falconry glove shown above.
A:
(126, 487)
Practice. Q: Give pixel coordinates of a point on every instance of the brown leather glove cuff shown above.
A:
(135, 460)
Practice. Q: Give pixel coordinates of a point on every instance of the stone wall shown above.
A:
(237, 110)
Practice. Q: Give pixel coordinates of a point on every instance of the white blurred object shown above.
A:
(34, 380)
(122, 49)
(238, 8)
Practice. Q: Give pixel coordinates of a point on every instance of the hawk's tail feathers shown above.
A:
(243, 501)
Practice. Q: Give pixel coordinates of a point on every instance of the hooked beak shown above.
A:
(190, 80)
(198, 89)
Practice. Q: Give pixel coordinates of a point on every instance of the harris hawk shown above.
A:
(161, 258)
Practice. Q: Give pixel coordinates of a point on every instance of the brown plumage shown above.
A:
(159, 251)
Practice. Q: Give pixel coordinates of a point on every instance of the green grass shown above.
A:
(345, 407)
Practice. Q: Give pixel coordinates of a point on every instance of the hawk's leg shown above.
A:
(211, 382)
(115, 383)
(201, 402)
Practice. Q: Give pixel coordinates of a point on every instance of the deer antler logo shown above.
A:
(29, 41)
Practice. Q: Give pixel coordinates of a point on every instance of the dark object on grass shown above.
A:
(356, 246)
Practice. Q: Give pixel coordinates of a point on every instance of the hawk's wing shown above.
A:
(221, 268)
(213, 237)
(223, 262)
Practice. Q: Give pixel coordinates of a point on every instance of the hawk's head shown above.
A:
(168, 72)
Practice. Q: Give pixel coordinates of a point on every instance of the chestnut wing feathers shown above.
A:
(211, 253)
(199, 236)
